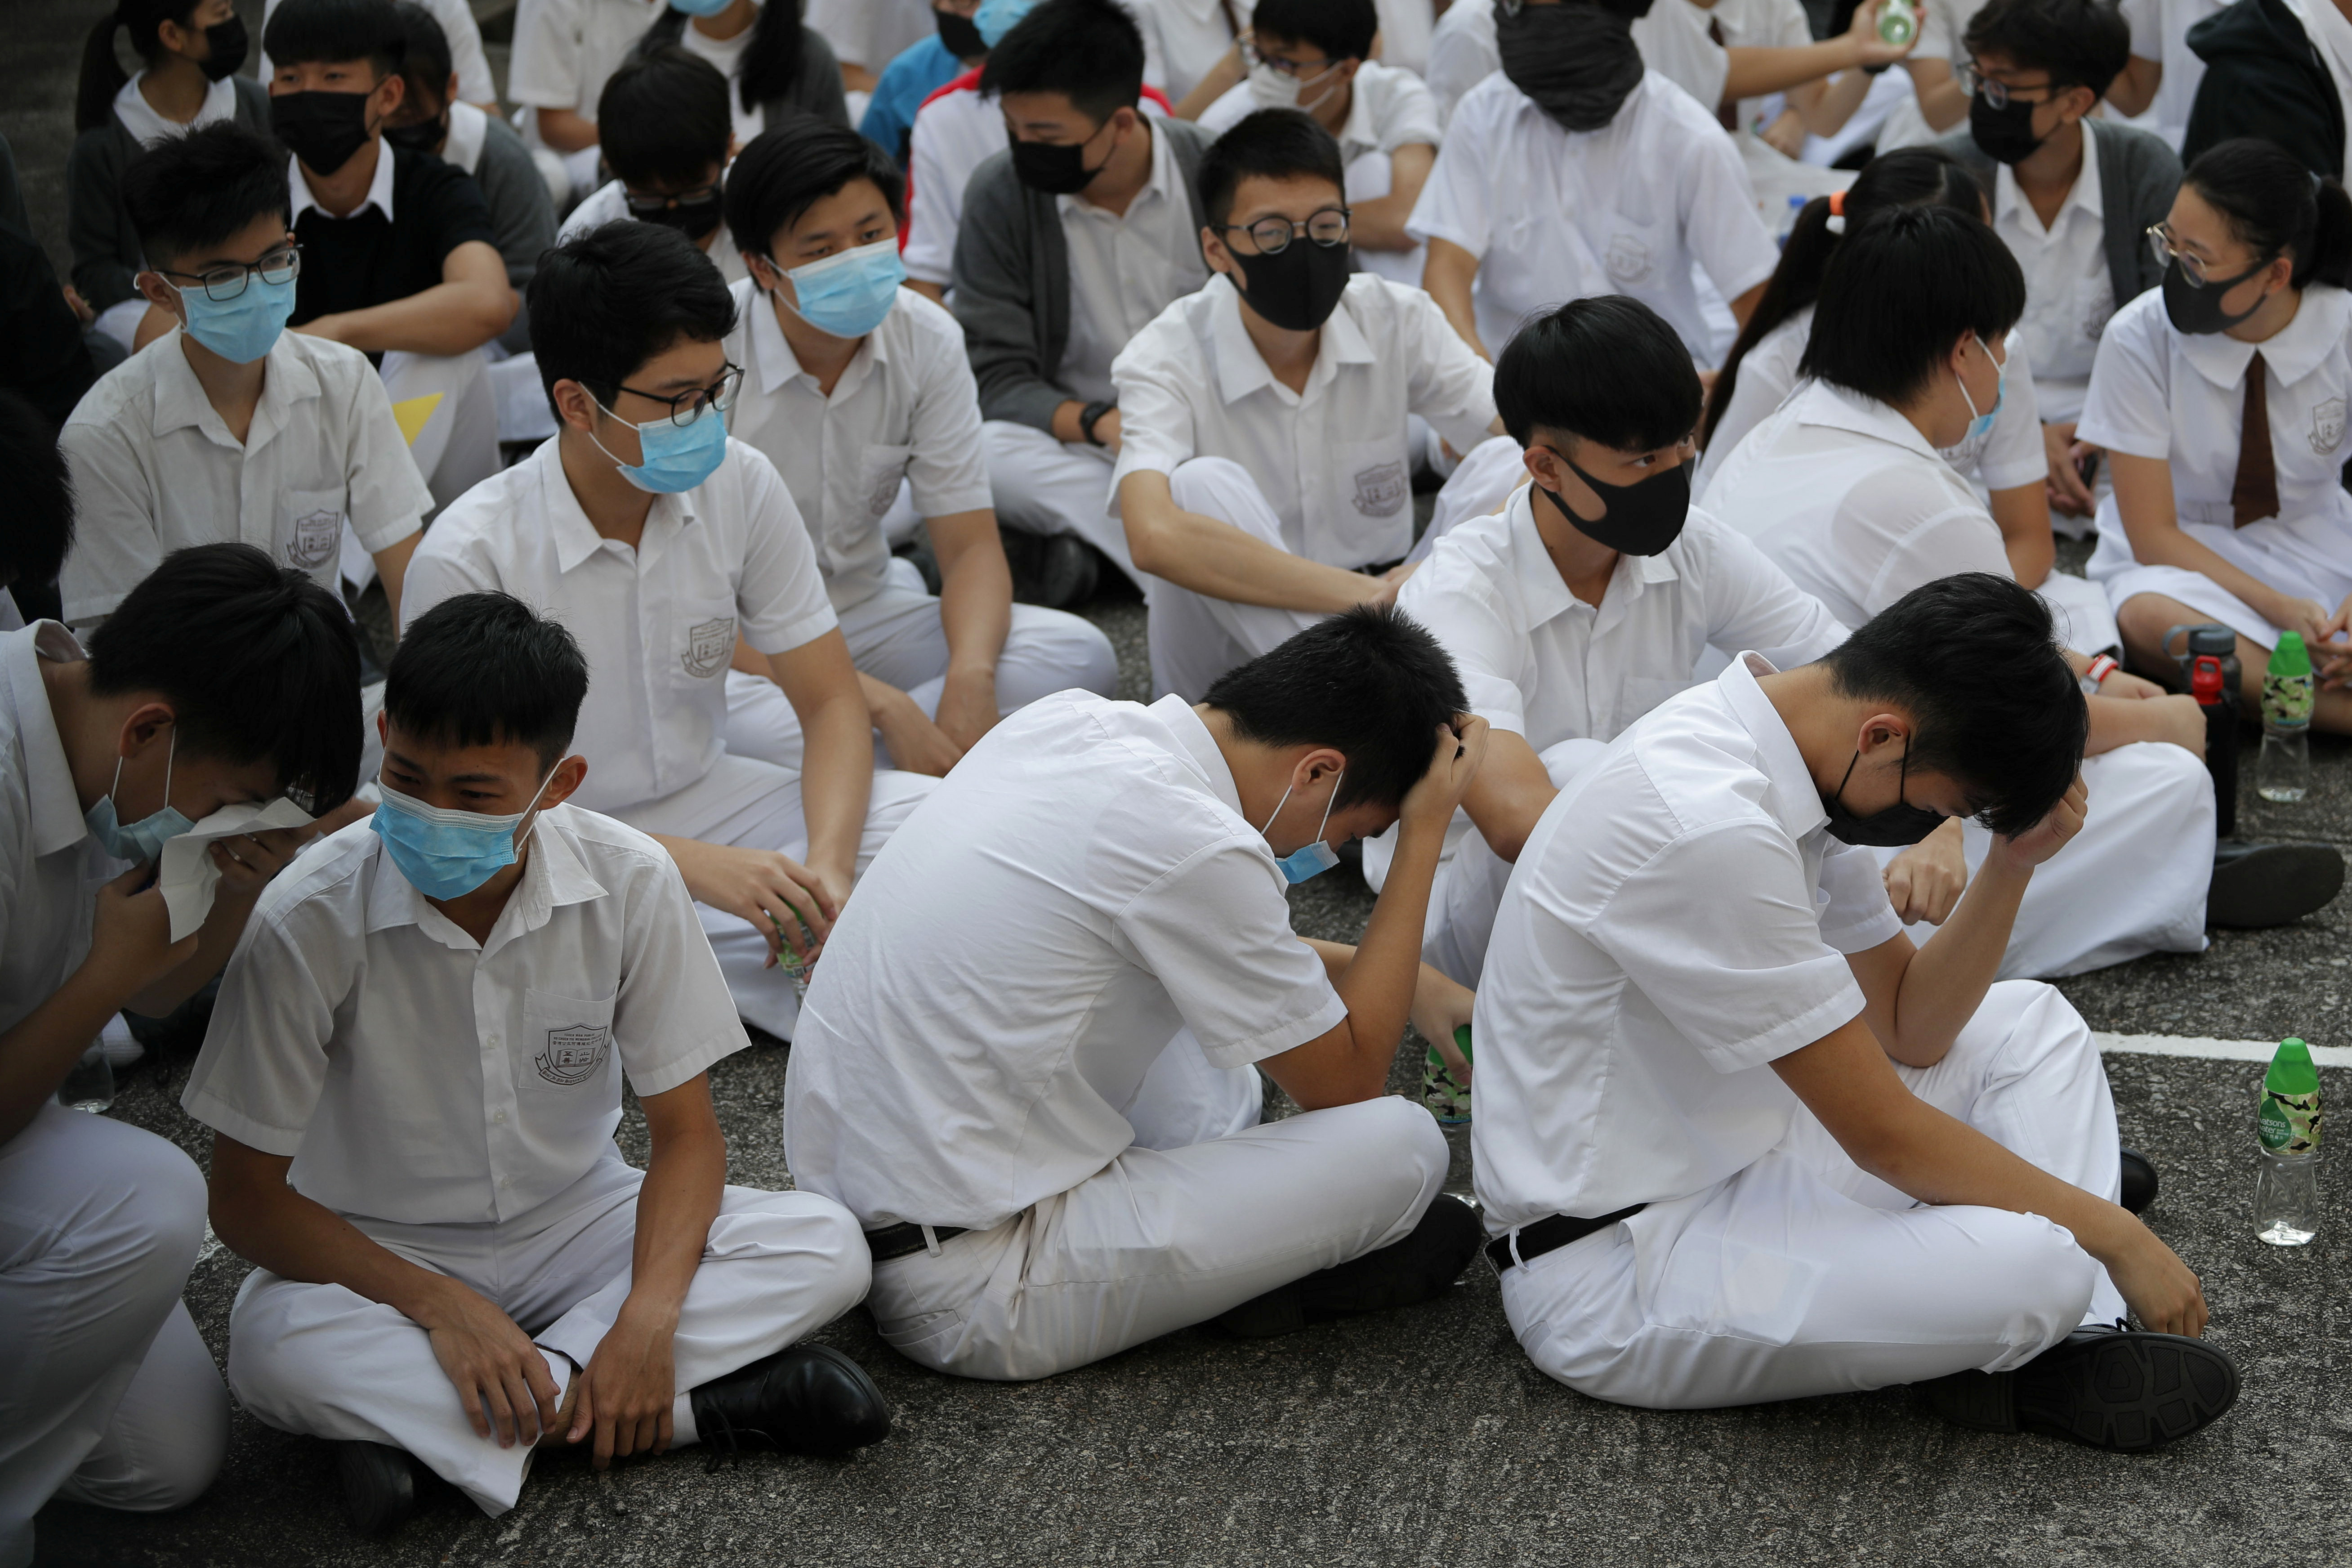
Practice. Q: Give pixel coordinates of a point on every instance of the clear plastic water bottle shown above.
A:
(1445, 1084)
(1899, 23)
(798, 970)
(2283, 771)
(2286, 1193)
(90, 1083)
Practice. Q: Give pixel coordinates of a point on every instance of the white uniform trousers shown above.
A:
(107, 1394)
(1162, 1240)
(449, 414)
(1803, 1275)
(756, 804)
(323, 1360)
(896, 638)
(1044, 486)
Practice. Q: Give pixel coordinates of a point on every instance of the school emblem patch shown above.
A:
(709, 647)
(1627, 259)
(1382, 490)
(315, 536)
(2328, 427)
(574, 1054)
(884, 491)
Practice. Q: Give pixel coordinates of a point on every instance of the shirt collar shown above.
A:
(179, 401)
(1160, 183)
(2318, 329)
(1201, 746)
(2008, 198)
(57, 821)
(1795, 801)
(552, 875)
(379, 194)
(1545, 593)
(576, 538)
(1835, 408)
(1358, 134)
(1242, 370)
(771, 352)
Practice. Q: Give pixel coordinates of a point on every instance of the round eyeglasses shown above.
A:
(688, 406)
(1996, 94)
(222, 284)
(2160, 244)
(1272, 236)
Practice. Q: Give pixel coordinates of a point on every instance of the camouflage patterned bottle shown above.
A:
(2287, 1195)
(1445, 1086)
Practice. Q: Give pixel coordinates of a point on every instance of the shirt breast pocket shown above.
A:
(878, 475)
(705, 637)
(311, 528)
(567, 1049)
(1376, 496)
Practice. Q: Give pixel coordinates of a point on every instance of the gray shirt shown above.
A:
(2138, 177)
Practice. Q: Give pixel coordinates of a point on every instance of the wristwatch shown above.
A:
(1087, 418)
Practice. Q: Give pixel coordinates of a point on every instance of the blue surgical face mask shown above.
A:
(677, 456)
(996, 18)
(143, 839)
(700, 7)
(1314, 858)
(445, 853)
(847, 294)
(1981, 422)
(244, 329)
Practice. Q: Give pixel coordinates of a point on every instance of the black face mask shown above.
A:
(1577, 62)
(2195, 311)
(1057, 171)
(1298, 287)
(322, 128)
(424, 136)
(228, 47)
(2005, 135)
(1898, 826)
(696, 219)
(1639, 519)
(960, 35)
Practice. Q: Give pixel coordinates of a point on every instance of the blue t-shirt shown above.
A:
(920, 70)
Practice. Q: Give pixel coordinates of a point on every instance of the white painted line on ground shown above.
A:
(2213, 1050)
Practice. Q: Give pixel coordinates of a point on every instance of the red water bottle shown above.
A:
(2210, 685)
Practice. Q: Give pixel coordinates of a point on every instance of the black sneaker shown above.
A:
(1424, 1264)
(379, 1486)
(1053, 570)
(2139, 1182)
(2120, 1389)
(808, 1399)
(2256, 886)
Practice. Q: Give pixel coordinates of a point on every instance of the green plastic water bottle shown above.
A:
(2283, 771)
(1445, 1092)
(2286, 1193)
(1898, 23)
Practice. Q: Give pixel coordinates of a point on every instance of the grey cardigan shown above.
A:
(2138, 177)
(1011, 280)
(98, 222)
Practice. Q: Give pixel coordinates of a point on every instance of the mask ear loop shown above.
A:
(640, 430)
(171, 756)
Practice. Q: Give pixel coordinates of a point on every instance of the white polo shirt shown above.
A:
(906, 408)
(565, 50)
(1848, 499)
(417, 1077)
(1537, 661)
(1080, 888)
(1642, 978)
(609, 203)
(1331, 460)
(2069, 294)
(1554, 216)
(657, 622)
(156, 468)
(955, 133)
(1124, 271)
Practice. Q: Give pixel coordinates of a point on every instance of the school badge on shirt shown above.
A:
(574, 1054)
(708, 647)
(1382, 490)
(2327, 425)
(1627, 259)
(316, 533)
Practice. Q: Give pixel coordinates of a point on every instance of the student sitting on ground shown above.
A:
(1843, 488)
(1265, 480)
(664, 544)
(1591, 597)
(231, 427)
(774, 66)
(2249, 333)
(857, 389)
(220, 681)
(921, 69)
(565, 52)
(1738, 1141)
(956, 130)
(482, 957)
(667, 138)
(1075, 954)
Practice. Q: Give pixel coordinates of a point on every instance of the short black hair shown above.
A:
(485, 670)
(1370, 681)
(1090, 51)
(786, 171)
(327, 31)
(1898, 294)
(2275, 207)
(189, 194)
(2080, 43)
(1343, 30)
(1606, 369)
(603, 302)
(1269, 144)
(663, 117)
(39, 523)
(424, 61)
(257, 660)
(1974, 659)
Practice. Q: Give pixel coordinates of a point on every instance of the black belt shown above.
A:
(905, 1240)
(1544, 1235)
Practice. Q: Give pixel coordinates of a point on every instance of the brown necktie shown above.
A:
(2254, 494)
(1726, 114)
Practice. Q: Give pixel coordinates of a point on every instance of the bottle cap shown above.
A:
(2288, 1118)
(2291, 1069)
(2290, 658)
(1461, 1041)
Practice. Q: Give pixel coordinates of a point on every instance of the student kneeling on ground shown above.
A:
(1020, 1055)
(413, 1073)
(1739, 1140)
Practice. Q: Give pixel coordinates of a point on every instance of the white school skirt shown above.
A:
(2308, 556)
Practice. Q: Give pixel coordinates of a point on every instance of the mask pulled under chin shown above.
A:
(1298, 287)
(1579, 62)
(1640, 519)
(1899, 826)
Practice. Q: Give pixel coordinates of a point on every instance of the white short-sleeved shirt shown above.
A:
(906, 408)
(871, 33)
(1553, 215)
(728, 54)
(2009, 455)
(1189, 36)
(467, 61)
(1846, 496)
(139, 116)
(1331, 461)
(1673, 40)
(1387, 109)
(1080, 888)
(1537, 661)
(1405, 27)
(2069, 294)
(1124, 271)
(657, 622)
(1643, 977)
(417, 1077)
(156, 468)
(2160, 32)
(955, 133)
(1755, 24)
(565, 50)
(609, 203)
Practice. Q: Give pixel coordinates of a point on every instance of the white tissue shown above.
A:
(188, 875)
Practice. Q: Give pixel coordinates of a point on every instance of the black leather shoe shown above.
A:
(379, 1487)
(2260, 885)
(2139, 1182)
(1424, 1264)
(2119, 1389)
(808, 1399)
(1055, 570)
